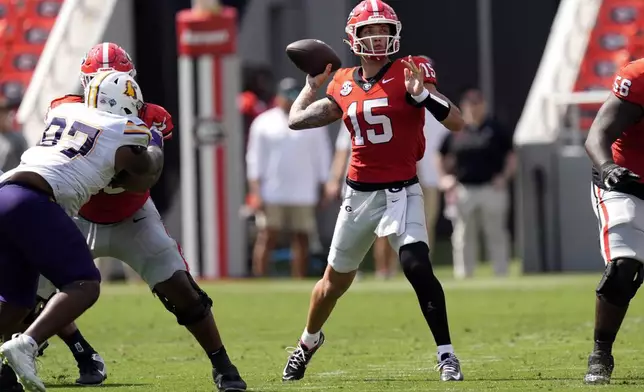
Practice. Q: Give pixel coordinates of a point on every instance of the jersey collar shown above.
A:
(368, 84)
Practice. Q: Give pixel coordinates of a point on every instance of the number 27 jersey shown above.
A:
(386, 128)
(77, 152)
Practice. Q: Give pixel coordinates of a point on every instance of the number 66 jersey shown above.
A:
(386, 129)
(77, 152)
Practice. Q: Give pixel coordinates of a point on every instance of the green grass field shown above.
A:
(516, 334)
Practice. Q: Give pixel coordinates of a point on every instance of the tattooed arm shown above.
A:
(306, 112)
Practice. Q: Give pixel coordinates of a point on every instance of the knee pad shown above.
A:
(415, 256)
(192, 314)
(620, 282)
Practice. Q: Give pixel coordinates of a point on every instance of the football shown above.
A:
(312, 56)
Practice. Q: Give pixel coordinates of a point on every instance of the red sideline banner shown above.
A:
(202, 33)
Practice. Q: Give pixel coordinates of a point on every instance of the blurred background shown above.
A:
(533, 72)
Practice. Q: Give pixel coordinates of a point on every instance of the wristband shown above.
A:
(423, 96)
(438, 107)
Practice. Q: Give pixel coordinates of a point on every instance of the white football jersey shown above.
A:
(77, 152)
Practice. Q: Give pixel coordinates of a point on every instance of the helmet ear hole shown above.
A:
(127, 111)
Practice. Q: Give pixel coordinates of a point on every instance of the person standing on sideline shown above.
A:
(475, 167)
(285, 171)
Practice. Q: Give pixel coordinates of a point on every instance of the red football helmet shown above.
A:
(370, 12)
(104, 57)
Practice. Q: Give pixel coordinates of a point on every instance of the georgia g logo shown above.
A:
(130, 91)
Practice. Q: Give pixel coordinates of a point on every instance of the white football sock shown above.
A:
(310, 340)
(447, 348)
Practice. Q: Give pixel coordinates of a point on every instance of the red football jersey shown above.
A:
(629, 86)
(115, 204)
(386, 129)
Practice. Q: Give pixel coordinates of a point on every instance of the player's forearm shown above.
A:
(154, 161)
(148, 172)
(613, 118)
(298, 117)
(308, 113)
(598, 148)
(454, 120)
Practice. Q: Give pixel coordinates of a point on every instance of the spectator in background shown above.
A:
(384, 258)
(12, 142)
(476, 165)
(285, 171)
(257, 95)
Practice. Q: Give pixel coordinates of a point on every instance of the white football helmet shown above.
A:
(114, 92)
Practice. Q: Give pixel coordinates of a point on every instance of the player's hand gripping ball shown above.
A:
(315, 82)
(414, 77)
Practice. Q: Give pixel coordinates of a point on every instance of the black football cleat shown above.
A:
(299, 360)
(600, 368)
(8, 380)
(92, 371)
(228, 380)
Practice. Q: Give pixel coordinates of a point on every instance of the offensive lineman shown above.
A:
(126, 225)
(383, 105)
(614, 144)
(72, 161)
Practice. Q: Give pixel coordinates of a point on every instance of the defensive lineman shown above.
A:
(81, 151)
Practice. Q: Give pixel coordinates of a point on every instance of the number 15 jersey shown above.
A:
(386, 128)
(77, 152)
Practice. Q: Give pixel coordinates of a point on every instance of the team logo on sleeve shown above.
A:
(346, 88)
(130, 91)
